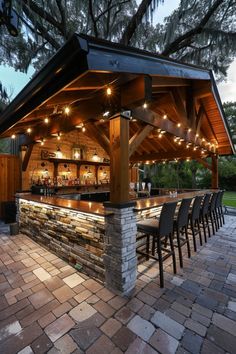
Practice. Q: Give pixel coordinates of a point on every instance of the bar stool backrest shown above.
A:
(205, 205)
(218, 199)
(213, 201)
(221, 197)
(182, 218)
(167, 219)
(196, 208)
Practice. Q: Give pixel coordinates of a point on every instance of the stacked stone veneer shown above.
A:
(120, 250)
(75, 236)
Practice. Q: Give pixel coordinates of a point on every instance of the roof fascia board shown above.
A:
(120, 60)
(221, 110)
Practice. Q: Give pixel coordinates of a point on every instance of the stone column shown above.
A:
(120, 248)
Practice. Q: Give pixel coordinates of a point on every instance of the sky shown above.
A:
(15, 81)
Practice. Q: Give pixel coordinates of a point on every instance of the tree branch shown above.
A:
(43, 14)
(176, 44)
(93, 19)
(134, 22)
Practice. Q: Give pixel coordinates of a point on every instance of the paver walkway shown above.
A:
(46, 306)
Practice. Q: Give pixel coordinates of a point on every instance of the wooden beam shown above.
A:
(119, 160)
(190, 108)
(158, 81)
(179, 106)
(214, 175)
(26, 159)
(204, 163)
(98, 135)
(136, 91)
(168, 155)
(200, 115)
(156, 120)
(138, 137)
(202, 90)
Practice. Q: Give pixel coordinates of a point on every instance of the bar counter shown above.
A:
(155, 202)
(82, 231)
(80, 205)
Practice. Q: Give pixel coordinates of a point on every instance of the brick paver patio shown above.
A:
(46, 306)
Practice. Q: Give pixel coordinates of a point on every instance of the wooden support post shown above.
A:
(119, 160)
(215, 176)
(27, 157)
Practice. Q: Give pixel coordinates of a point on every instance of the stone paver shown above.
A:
(141, 327)
(163, 342)
(168, 325)
(46, 306)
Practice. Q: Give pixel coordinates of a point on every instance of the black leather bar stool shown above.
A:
(158, 229)
(181, 228)
(212, 213)
(204, 215)
(194, 218)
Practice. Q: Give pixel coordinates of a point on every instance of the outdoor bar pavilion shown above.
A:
(128, 106)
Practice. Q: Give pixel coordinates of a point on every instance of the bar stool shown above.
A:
(194, 217)
(181, 228)
(159, 229)
(219, 209)
(212, 213)
(204, 215)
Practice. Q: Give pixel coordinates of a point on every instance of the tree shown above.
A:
(200, 32)
(230, 112)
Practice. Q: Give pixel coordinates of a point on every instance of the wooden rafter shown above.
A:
(179, 106)
(99, 136)
(138, 137)
(27, 157)
(161, 81)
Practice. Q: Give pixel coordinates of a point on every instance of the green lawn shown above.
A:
(229, 199)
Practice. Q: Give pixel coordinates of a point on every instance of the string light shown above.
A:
(106, 114)
(165, 116)
(13, 136)
(67, 110)
(109, 92)
(189, 130)
(83, 129)
(46, 120)
(179, 125)
(29, 130)
(145, 105)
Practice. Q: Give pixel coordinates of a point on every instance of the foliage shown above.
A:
(199, 32)
(230, 112)
(229, 199)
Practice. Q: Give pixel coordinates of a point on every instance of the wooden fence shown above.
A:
(10, 178)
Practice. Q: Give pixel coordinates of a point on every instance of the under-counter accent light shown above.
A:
(13, 136)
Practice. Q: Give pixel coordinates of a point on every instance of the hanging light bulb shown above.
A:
(109, 92)
(67, 110)
(46, 120)
(145, 105)
(13, 136)
(29, 130)
(83, 129)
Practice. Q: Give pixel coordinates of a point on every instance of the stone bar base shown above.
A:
(72, 235)
(120, 250)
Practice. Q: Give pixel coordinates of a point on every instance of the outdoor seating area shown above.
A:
(49, 307)
(177, 224)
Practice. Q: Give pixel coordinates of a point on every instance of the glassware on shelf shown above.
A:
(149, 185)
(143, 185)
